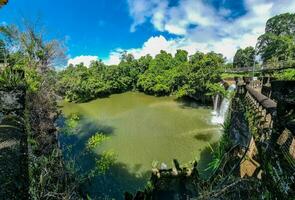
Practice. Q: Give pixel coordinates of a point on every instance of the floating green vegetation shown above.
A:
(73, 120)
(96, 140)
(106, 160)
(71, 123)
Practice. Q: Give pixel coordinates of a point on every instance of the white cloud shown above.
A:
(175, 29)
(201, 27)
(154, 45)
(141, 10)
(82, 59)
(114, 58)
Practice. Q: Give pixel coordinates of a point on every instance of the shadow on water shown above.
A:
(117, 180)
(79, 136)
(187, 102)
(206, 156)
(205, 137)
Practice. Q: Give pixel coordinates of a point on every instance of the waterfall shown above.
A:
(220, 114)
(216, 101)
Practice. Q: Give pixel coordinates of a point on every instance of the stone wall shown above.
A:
(271, 120)
(13, 145)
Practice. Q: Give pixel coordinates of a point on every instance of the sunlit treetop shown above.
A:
(3, 2)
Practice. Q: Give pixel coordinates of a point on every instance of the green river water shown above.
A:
(142, 129)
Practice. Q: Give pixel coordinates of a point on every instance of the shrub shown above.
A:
(10, 79)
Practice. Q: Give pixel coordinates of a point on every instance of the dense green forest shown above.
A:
(162, 75)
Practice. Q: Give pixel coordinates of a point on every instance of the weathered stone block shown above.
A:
(11, 100)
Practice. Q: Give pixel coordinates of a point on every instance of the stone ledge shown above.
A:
(265, 102)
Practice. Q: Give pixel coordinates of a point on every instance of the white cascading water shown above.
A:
(216, 101)
(220, 114)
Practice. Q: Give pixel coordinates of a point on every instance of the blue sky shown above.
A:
(100, 29)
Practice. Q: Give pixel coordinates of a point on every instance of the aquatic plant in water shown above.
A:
(71, 123)
(96, 140)
(106, 160)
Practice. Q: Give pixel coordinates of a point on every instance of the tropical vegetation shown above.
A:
(244, 57)
(28, 60)
(277, 45)
(163, 75)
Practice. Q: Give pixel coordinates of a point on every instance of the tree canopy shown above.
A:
(244, 57)
(163, 75)
(26, 49)
(3, 52)
(3, 2)
(277, 44)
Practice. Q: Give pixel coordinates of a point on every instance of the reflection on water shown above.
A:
(142, 129)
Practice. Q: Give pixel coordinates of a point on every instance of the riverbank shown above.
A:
(32, 166)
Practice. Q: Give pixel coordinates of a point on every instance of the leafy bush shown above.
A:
(288, 74)
(216, 88)
(219, 151)
(33, 79)
(48, 179)
(10, 78)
